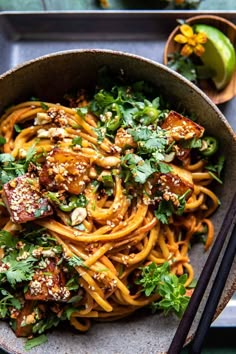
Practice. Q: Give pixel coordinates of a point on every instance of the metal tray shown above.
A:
(24, 36)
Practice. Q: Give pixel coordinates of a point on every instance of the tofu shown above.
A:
(177, 182)
(179, 127)
(64, 170)
(124, 140)
(23, 199)
(183, 174)
(25, 319)
(173, 184)
(48, 284)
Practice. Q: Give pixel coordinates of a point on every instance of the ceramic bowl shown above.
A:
(229, 29)
(49, 78)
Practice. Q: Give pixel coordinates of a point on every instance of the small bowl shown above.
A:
(229, 29)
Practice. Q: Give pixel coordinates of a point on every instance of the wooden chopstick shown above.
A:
(196, 298)
(214, 296)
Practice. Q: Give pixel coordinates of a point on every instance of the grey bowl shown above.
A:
(49, 77)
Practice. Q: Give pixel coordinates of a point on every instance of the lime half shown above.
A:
(219, 55)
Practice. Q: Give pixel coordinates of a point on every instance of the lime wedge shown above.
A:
(219, 55)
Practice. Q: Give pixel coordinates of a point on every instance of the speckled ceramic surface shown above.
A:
(49, 78)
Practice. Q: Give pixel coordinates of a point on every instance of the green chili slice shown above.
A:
(116, 118)
(211, 146)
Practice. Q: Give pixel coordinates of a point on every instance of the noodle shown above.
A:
(118, 228)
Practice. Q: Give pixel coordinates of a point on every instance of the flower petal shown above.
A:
(186, 30)
(199, 49)
(201, 37)
(186, 50)
(192, 40)
(180, 39)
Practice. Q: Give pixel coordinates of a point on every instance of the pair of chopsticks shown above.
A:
(216, 290)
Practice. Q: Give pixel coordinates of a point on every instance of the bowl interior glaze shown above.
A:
(49, 78)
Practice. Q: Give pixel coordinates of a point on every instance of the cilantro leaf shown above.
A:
(164, 167)
(151, 277)
(12, 169)
(216, 169)
(101, 132)
(39, 212)
(143, 171)
(76, 298)
(172, 290)
(20, 271)
(150, 141)
(183, 65)
(73, 283)
(43, 325)
(77, 141)
(164, 211)
(6, 158)
(30, 153)
(166, 208)
(68, 312)
(34, 342)
(8, 300)
(76, 261)
(2, 140)
(140, 169)
(82, 111)
(7, 239)
(44, 106)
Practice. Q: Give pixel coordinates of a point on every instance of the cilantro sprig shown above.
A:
(10, 169)
(76, 261)
(158, 279)
(150, 141)
(139, 169)
(215, 169)
(166, 208)
(7, 300)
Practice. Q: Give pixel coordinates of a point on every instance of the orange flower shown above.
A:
(179, 2)
(192, 41)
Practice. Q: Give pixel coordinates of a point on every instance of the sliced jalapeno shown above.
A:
(116, 118)
(210, 146)
(67, 207)
(74, 202)
(150, 115)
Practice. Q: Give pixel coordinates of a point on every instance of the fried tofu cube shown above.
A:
(183, 174)
(48, 284)
(124, 140)
(179, 127)
(23, 199)
(64, 170)
(25, 319)
(174, 183)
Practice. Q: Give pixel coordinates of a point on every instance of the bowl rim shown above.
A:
(95, 51)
